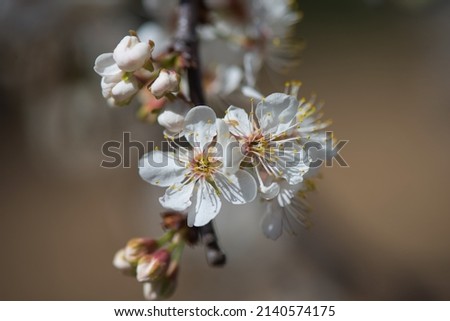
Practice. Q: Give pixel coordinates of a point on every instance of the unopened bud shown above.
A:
(131, 54)
(162, 288)
(124, 90)
(154, 266)
(136, 248)
(172, 118)
(168, 81)
(121, 263)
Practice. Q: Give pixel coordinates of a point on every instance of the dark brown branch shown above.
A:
(186, 42)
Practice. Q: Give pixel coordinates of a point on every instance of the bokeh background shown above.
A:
(381, 225)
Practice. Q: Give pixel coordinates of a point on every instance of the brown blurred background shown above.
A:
(381, 226)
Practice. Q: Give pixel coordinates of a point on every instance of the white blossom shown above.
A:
(195, 178)
(265, 139)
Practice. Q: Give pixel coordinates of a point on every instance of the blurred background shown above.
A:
(381, 226)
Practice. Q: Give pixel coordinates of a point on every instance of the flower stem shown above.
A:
(186, 42)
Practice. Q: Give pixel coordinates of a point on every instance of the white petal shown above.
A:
(252, 65)
(121, 263)
(238, 121)
(228, 148)
(108, 83)
(178, 196)
(272, 223)
(106, 66)
(131, 54)
(276, 112)
(168, 81)
(200, 126)
(227, 79)
(172, 118)
(161, 168)
(239, 188)
(251, 92)
(206, 205)
(149, 291)
(124, 90)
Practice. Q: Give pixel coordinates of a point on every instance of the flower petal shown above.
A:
(206, 204)
(239, 188)
(228, 78)
(251, 92)
(272, 223)
(178, 196)
(200, 126)
(228, 148)
(172, 117)
(161, 168)
(131, 54)
(276, 113)
(238, 121)
(124, 90)
(106, 66)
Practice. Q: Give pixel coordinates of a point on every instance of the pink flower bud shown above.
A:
(138, 247)
(168, 81)
(162, 288)
(154, 266)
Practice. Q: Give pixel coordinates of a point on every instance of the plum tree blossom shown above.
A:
(124, 70)
(266, 140)
(238, 153)
(198, 175)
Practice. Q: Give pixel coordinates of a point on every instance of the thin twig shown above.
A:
(186, 42)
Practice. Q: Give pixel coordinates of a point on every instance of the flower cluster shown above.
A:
(155, 263)
(129, 68)
(238, 38)
(239, 156)
(261, 151)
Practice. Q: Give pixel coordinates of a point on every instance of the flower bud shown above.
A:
(168, 81)
(162, 288)
(136, 248)
(106, 66)
(124, 90)
(121, 263)
(172, 118)
(131, 54)
(152, 267)
(272, 223)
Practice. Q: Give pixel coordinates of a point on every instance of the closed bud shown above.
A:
(168, 81)
(162, 288)
(131, 54)
(154, 266)
(124, 90)
(121, 263)
(172, 118)
(138, 247)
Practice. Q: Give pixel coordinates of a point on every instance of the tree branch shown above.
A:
(186, 42)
